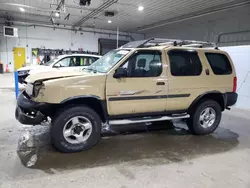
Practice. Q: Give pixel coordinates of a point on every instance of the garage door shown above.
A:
(105, 45)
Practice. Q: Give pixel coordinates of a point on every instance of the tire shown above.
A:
(63, 120)
(197, 126)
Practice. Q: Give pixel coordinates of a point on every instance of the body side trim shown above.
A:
(148, 97)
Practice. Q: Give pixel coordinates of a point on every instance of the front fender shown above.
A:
(58, 90)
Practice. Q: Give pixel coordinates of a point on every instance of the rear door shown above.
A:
(73, 63)
(221, 71)
(68, 63)
(186, 78)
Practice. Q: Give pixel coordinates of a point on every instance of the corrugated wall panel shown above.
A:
(130, 19)
(209, 27)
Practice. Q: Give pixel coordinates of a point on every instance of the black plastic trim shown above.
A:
(148, 97)
(80, 97)
(28, 120)
(178, 96)
(206, 93)
(25, 102)
(103, 103)
(22, 78)
(24, 105)
(231, 98)
(104, 109)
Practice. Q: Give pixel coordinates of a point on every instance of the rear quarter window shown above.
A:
(219, 63)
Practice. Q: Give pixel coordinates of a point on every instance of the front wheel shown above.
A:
(205, 118)
(76, 129)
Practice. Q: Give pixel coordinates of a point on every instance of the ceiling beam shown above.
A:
(28, 7)
(27, 13)
(86, 30)
(75, 7)
(95, 12)
(60, 5)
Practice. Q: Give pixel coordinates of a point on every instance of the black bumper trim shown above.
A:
(21, 78)
(24, 108)
(231, 98)
(28, 119)
(24, 102)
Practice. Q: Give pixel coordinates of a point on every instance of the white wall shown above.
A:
(39, 37)
(241, 59)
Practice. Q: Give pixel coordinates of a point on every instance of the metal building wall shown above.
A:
(233, 24)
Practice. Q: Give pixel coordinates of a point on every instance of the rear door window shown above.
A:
(219, 63)
(86, 60)
(66, 62)
(184, 63)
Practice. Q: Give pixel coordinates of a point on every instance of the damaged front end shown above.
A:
(34, 105)
(29, 112)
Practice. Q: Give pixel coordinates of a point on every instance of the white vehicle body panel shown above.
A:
(33, 69)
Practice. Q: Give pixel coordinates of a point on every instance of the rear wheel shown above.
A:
(205, 118)
(76, 129)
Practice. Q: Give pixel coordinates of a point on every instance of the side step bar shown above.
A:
(147, 119)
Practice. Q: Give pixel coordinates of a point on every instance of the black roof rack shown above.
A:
(163, 42)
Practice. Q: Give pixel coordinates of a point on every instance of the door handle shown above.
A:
(160, 83)
(207, 71)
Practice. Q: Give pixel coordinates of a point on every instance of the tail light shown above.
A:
(235, 84)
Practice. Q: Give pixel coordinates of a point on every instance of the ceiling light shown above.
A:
(22, 9)
(57, 14)
(109, 21)
(140, 8)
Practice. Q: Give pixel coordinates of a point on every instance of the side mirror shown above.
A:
(57, 65)
(120, 72)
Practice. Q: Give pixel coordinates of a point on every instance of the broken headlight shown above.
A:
(36, 88)
(23, 73)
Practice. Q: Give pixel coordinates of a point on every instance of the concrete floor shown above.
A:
(7, 82)
(166, 158)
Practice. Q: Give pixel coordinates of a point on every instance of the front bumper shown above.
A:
(27, 119)
(29, 112)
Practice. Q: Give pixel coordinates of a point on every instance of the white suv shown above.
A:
(74, 62)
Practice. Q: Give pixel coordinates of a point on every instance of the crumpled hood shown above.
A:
(53, 75)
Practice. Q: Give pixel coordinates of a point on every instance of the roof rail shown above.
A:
(163, 42)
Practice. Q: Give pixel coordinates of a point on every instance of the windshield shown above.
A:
(105, 63)
(52, 61)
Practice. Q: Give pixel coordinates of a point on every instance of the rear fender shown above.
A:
(214, 95)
